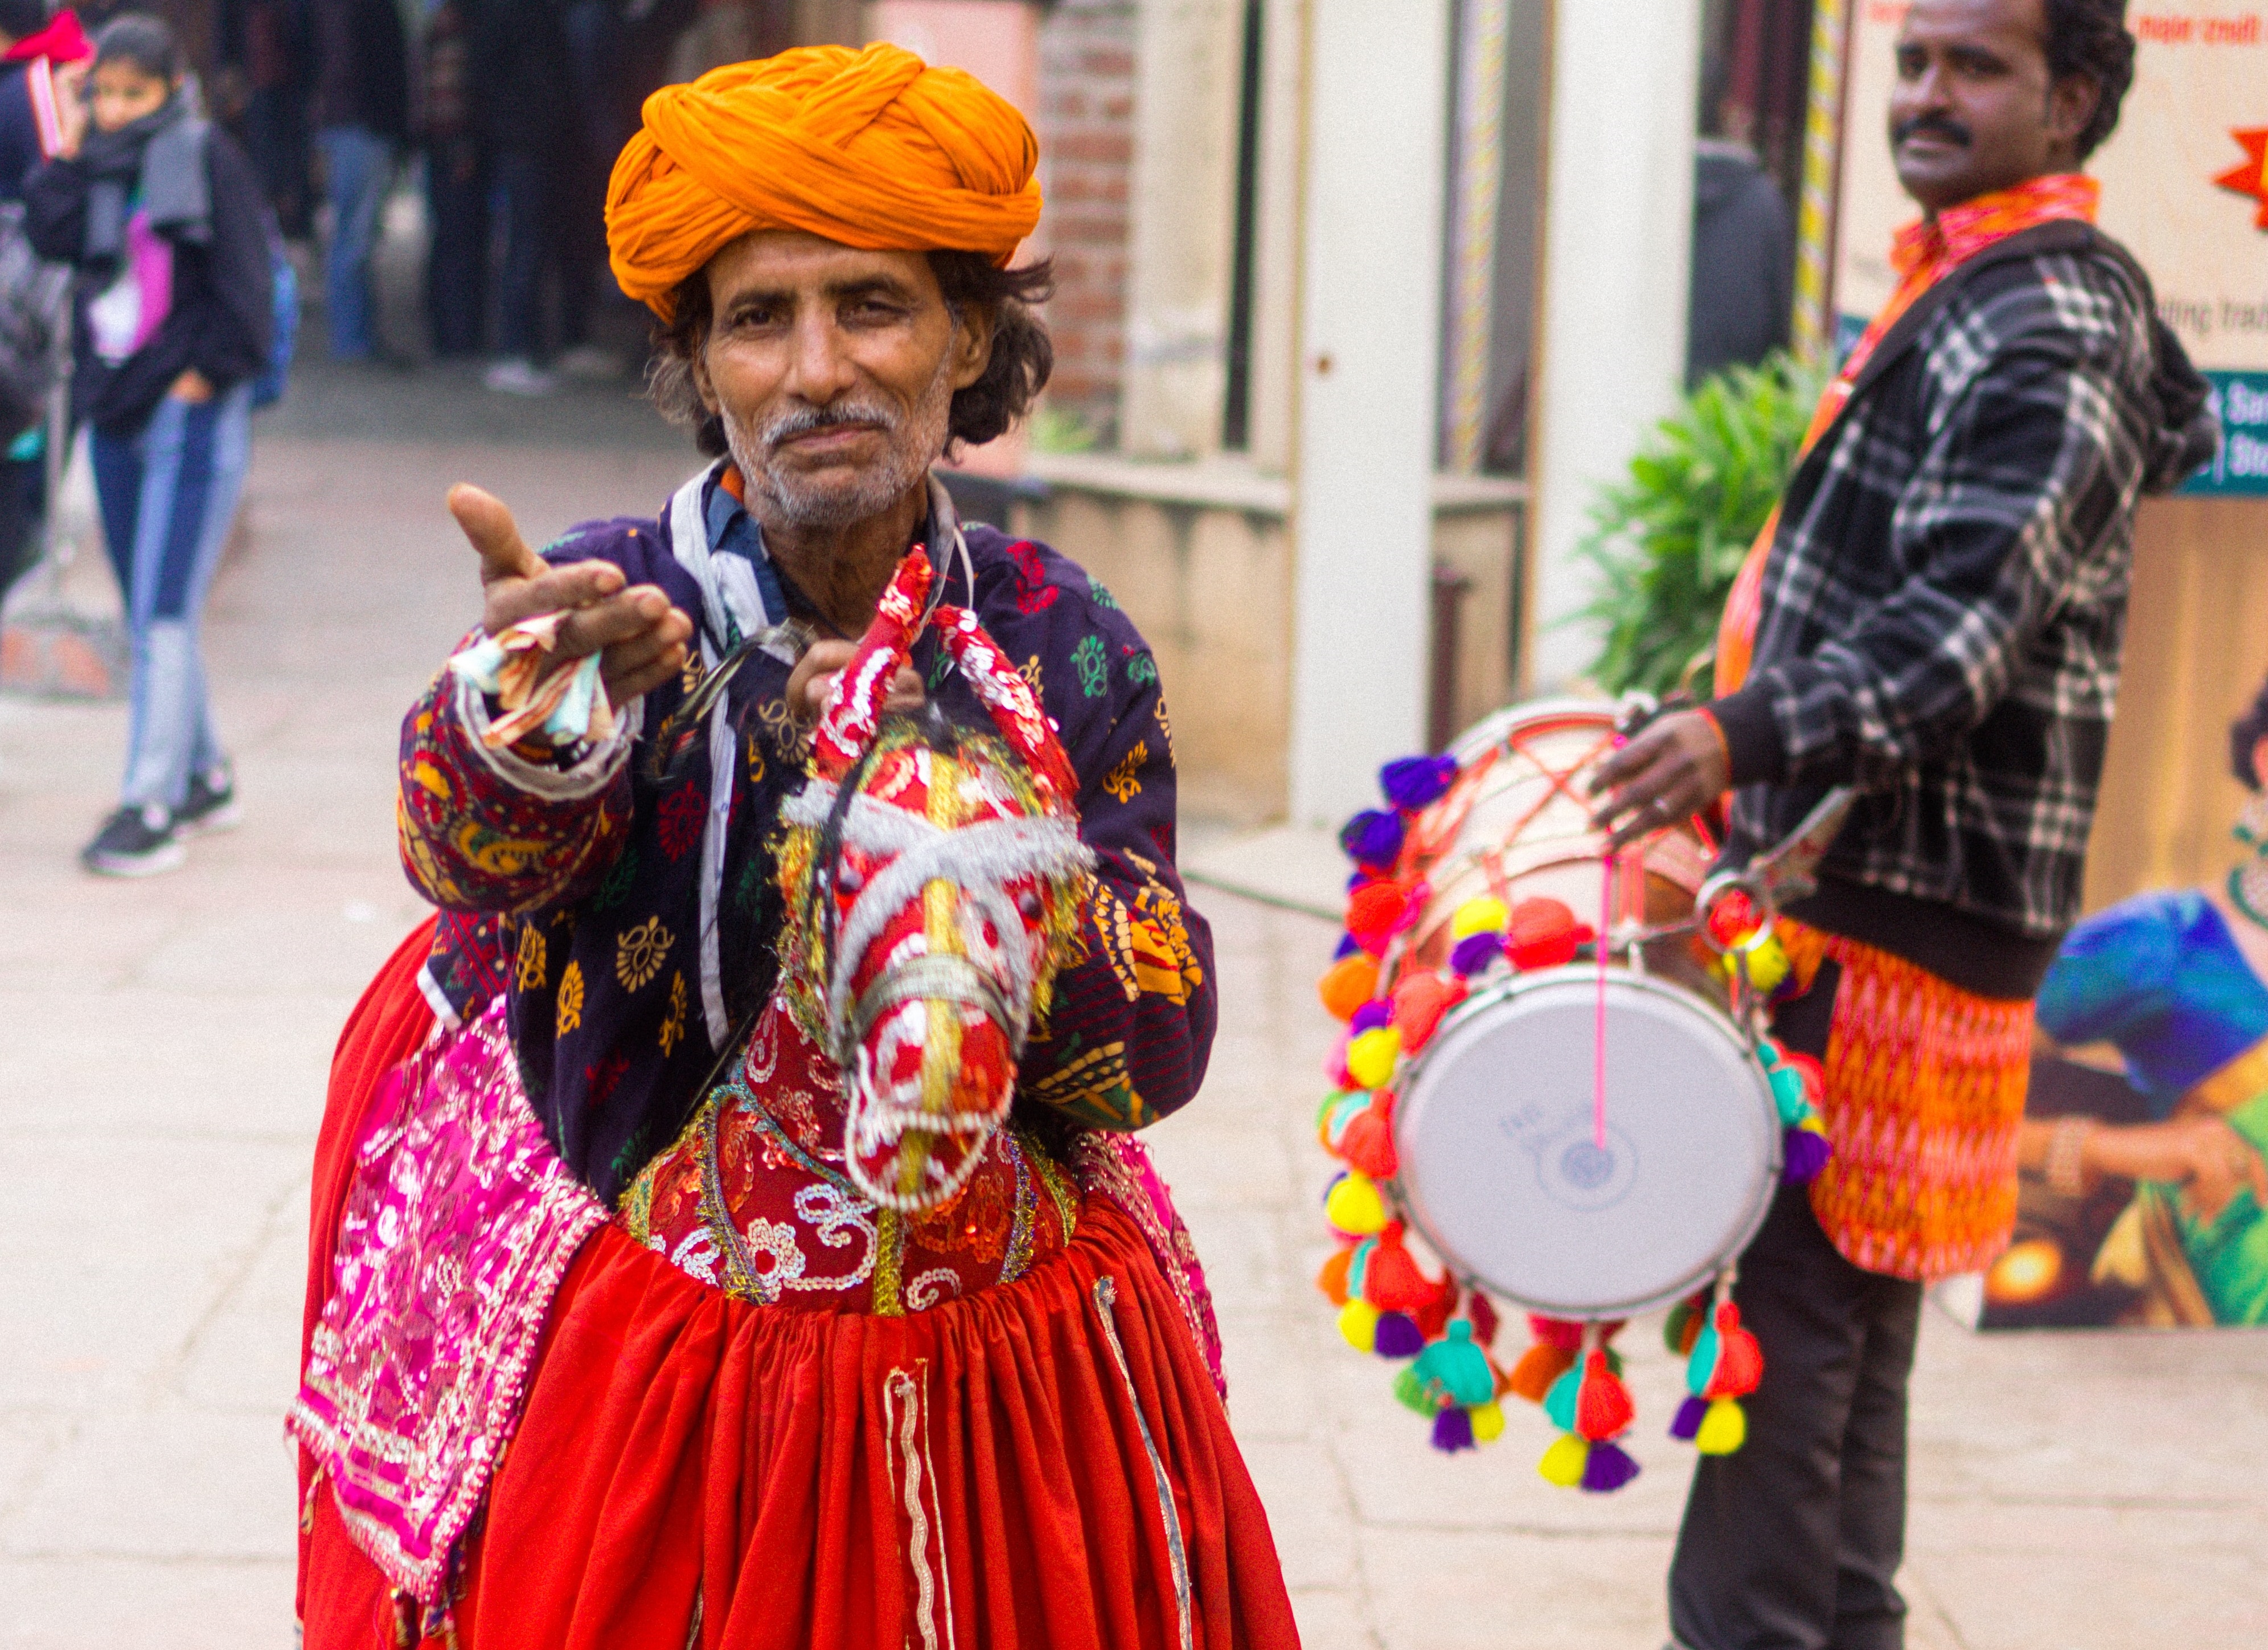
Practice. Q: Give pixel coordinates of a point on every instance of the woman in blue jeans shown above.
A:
(161, 217)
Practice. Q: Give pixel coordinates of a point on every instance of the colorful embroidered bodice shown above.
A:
(636, 887)
(753, 1198)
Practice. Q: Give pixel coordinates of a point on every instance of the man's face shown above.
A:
(1974, 109)
(834, 370)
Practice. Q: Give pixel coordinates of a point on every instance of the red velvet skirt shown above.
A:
(1044, 1463)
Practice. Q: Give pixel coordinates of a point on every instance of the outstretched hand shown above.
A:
(641, 638)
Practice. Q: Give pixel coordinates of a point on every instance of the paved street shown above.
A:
(163, 1048)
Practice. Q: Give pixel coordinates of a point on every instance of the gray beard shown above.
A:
(914, 442)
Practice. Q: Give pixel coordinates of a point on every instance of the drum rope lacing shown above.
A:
(1388, 986)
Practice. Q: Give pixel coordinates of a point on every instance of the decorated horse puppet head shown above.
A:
(934, 878)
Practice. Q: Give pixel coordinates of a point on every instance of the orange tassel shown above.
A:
(1538, 1367)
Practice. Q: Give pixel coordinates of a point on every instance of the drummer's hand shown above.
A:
(1671, 771)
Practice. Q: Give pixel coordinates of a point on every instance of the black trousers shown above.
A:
(1793, 1542)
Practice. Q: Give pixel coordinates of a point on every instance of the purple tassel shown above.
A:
(1687, 1426)
(1347, 947)
(1414, 781)
(1608, 1467)
(1398, 1336)
(1372, 1016)
(1373, 838)
(1453, 1430)
(1803, 1154)
(1475, 952)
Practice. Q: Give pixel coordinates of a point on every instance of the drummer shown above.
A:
(1935, 617)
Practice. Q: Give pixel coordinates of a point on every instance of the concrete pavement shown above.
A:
(163, 1047)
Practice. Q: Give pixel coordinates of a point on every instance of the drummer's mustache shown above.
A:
(1937, 124)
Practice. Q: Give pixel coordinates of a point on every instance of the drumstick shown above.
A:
(1599, 1023)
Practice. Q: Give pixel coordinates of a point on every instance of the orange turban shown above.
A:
(872, 148)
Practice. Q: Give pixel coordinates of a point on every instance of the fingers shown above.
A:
(489, 525)
(627, 682)
(555, 590)
(633, 614)
(905, 691)
(813, 678)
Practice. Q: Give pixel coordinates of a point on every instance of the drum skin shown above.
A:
(1501, 1172)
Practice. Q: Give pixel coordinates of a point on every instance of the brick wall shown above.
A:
(1087, 145)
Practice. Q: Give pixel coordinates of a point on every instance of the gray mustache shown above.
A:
(803, 420)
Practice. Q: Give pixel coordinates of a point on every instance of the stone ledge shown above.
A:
(1232, 483)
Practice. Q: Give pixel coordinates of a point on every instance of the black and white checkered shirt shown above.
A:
(1944, 605)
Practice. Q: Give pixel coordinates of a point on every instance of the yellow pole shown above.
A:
(1822, 149)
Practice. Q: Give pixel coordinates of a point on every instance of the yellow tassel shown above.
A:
(1483, 914)
(1371, 1057)
(1564, 1462)
(1767, 962)
(1359, 1324)
(1724, 1429)
(1488, 1422)
(1355, 1207)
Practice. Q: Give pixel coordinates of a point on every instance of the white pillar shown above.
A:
(1370, 340)
(1617, 240)
(1187, 76)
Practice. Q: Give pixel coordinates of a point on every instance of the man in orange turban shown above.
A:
(608, 1209)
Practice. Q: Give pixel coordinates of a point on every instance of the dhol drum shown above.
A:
(1551, 1079)
(1501, 1166)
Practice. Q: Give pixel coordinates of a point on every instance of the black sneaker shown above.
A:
(135, 841)
(211, 804)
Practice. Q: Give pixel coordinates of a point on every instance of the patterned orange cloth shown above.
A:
(1924, 1098)
(872, 148)
(1923, 253)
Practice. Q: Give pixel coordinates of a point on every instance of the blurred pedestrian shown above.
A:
(456, 186)
(596, 40)
(362, 118)
(161, 216)
(267, 58)
(524, 91)
(31, 46)
(1744, 278)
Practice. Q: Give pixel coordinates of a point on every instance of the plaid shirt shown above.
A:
(1944, 602)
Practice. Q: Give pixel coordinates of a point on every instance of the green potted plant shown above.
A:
(1668, 540)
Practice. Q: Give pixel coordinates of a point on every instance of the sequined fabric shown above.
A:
(459, 1224)
(753, 1198)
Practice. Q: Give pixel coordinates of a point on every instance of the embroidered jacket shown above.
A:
(637, 883)
(1944, 604)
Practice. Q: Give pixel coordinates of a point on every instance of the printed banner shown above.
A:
(2184, 186)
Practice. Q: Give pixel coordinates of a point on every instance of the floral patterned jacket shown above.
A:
(630, 890)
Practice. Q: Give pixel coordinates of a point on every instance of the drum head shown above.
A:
(1501, 1172)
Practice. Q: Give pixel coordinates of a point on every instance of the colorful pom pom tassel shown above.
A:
(1373, 839)
(1686, 1422)
(1371, 1057)
(1453, 1430)
(1539, 1366)
(1397, 1335)
(1804, 1152)
(1416, 781)
(1563, 1461)
(1359, 1325)
(1607, 1468)
(1410, 1390)
(1723, 1430)
(1473, 954)
(1353, 1206)
(1348, 984)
